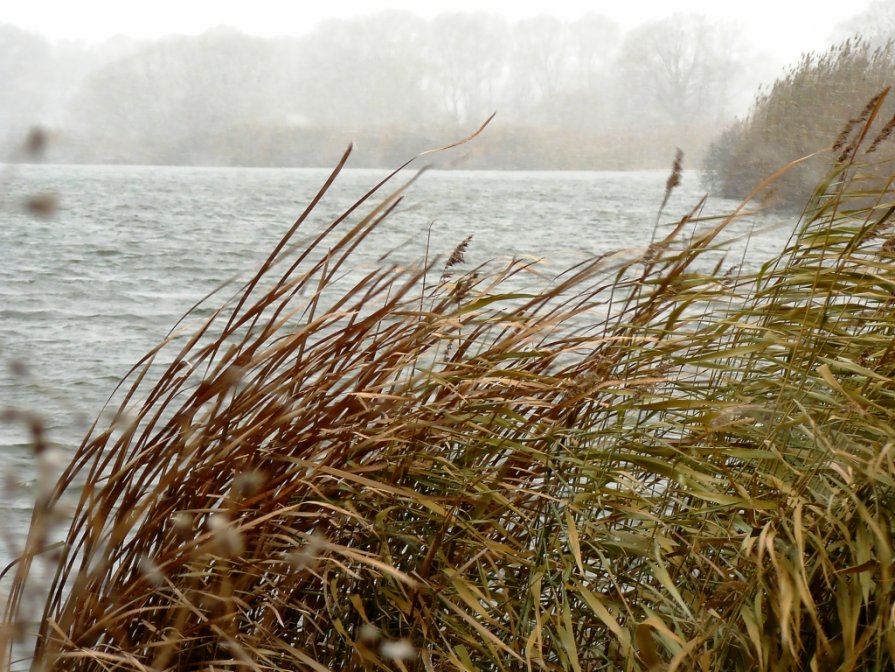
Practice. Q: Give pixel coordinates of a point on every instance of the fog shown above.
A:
(583, 93)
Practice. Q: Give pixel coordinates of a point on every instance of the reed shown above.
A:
(800, 114)
(639, 464)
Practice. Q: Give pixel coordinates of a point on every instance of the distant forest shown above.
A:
(568, 95)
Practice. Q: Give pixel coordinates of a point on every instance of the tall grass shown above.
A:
(801, 112)
(640, 464)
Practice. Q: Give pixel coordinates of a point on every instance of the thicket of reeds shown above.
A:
(647, 463)
(798, 114)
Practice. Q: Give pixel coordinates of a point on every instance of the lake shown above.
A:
(85, 292)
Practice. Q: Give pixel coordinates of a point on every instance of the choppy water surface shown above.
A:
(84, 293)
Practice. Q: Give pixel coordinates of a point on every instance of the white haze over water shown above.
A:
(779, 29)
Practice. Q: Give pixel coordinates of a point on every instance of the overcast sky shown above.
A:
(782, 28)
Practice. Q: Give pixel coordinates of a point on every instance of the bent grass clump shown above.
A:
(639, 465)
(802, 111)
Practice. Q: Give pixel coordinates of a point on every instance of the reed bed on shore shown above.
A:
(640, 464)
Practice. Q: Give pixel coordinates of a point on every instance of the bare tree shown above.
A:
(365, 71)
(541, 60)
(677, 70)
(594, 41)
(172, 95)
(560, 72)
(590, 101)
(466, 61)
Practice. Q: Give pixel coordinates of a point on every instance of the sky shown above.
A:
(781, 28)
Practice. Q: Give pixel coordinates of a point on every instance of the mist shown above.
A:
(569, 94)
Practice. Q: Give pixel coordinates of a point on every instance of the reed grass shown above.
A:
(801, 112)
(640, 464)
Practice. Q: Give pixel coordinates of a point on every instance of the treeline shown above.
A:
(574, 94)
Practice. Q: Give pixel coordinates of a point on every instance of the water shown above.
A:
(86, 292)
